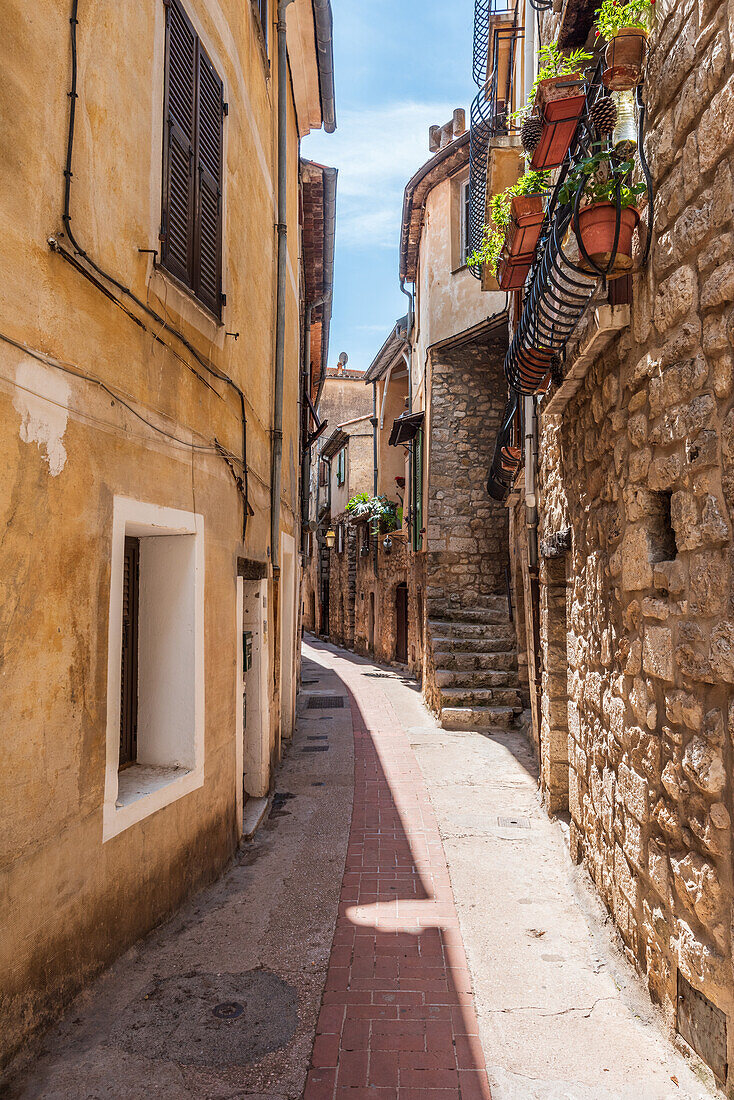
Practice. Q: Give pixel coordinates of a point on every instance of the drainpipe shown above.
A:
(408, 356)
(277, 451)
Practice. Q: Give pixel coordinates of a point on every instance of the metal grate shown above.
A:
(325, 702)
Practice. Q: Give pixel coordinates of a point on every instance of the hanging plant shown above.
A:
(607, 199)
(505, 209)
(549, 118)
(613, 16)
(625, 27)
(381, 513)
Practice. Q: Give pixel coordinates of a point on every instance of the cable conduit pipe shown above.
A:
(80, 252)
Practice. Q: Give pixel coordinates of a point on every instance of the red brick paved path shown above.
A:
(397, 1018)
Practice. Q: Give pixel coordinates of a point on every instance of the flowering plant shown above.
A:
(613, 15)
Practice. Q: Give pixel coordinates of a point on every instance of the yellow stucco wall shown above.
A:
(69, 902)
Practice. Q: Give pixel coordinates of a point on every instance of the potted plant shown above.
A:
(625, 26)
(512, 235)
(557, 101)
(608, 199)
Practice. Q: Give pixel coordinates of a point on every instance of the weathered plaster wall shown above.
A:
(641, 467)
(70, 903)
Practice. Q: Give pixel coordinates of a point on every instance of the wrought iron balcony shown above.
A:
(561, 283)
(497, 33)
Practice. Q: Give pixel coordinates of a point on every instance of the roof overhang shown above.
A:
(444, 164)
(318, 190)
(389, 351)
(334, 443)
(405, 428)
(311, 60)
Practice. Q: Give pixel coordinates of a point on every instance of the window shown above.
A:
(341, 466)
(417, 461)
(191, 222)
(155, 672)
(323, 472)
(465, 215)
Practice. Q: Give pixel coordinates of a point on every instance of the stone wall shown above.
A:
(467, 533)
(640, 466)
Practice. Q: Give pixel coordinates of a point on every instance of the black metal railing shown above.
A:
(492, 107)
(560, 283)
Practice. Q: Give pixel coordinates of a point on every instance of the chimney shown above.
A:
(441, 136)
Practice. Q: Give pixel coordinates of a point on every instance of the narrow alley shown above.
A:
(462, 934)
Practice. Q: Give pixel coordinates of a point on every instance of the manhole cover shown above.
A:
(210, 1019)
(325, 702)
(513, 823)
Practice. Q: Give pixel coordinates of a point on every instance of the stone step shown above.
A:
(477, 678)
(478, 718)
(478, 656)
(497, 605)
(466, 696)
(450, 629)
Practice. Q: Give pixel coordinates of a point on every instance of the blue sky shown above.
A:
(401, 65)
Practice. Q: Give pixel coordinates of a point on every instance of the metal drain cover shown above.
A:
(325, 702)
(209, 1019)
(513, 823)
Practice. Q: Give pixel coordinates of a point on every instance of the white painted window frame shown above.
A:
(145, 520)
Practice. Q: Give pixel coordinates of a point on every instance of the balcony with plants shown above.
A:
(570, 224)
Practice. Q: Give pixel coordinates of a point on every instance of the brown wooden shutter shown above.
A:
(129, 670)
(208, 236)
(177, 230)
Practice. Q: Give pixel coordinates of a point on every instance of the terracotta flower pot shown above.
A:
(560, 102)
(597, 225)
(511, 274)
(625, 57)
(525, 225)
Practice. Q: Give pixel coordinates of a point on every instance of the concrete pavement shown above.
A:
(463, 935)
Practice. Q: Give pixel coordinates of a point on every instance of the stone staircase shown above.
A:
(475, 679)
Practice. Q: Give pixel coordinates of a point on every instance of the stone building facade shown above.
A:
(149, 520)
(629, 635)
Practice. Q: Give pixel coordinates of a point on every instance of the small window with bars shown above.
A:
(340, 539)
(194, 108)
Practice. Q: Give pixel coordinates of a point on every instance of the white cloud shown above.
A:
(376, 151)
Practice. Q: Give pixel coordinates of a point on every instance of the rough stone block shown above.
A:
(716, 130)
(632, 789)
(657, 652)
(675, 298)
(637, 553)
(704, 766)
(722, 651)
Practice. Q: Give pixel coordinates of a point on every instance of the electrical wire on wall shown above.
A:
(79, 254)
(76, 372)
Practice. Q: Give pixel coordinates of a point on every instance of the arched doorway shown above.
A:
(401, 631)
